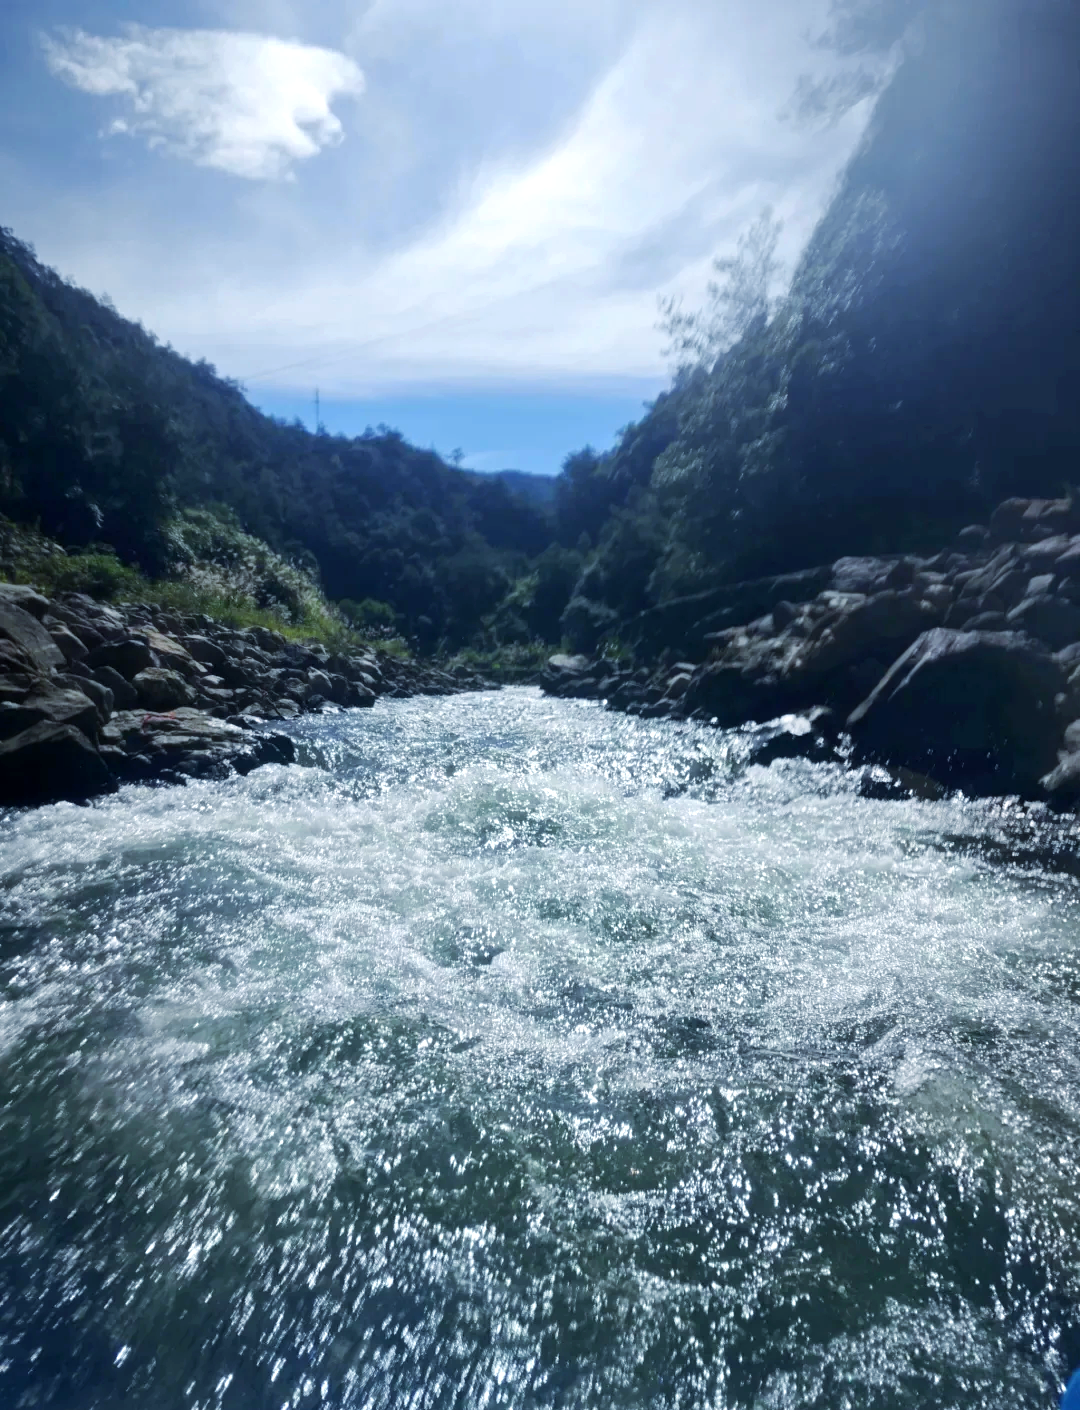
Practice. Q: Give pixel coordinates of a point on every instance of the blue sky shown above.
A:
(453, 216)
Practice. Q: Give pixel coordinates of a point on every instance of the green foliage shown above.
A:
(107, 436)
(742, 297)
(507, 664)
(369, 615)
(99, 575)
(586, 622)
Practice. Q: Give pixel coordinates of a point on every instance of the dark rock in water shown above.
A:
(731, 692)
(266, 749)
(811, 736)
(887, 785)
(29, 636)
(128, 657)
(161, 689)
(1062, 783)
(972, 709)
(125, 696)
(49, 763)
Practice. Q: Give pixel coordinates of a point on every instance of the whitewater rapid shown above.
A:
(509, 1052)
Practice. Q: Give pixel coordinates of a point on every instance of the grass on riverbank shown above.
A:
(229, 591)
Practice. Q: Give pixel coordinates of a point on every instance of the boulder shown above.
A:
(202, 649)
(1049, 618)
(970, 709)
(50, 705)
(742, 687)
(70, 646)
(172, 655)
(320, 683)
(29, 636)
(882, 625)
(125, 696)
(13, 659)
(1028, 520)
(561, 664)
(986, 622)
(48, 763)
(1062, 783)
(102, 697)
(159, 689)
(1068, 564)
(26, 598)
(127, 657)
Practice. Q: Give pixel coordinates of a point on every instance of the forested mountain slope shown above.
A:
(105, 434)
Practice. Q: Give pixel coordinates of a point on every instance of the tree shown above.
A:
(742, 296)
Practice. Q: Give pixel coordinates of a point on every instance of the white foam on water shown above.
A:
(511, 1051)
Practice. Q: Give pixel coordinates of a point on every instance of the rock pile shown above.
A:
(963, 667)
(92, 695)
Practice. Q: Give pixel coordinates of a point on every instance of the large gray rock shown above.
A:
(49, 763)
(28, 598)
(971, 709)
(50, 705)
(1050, 619)
(27, 633)
(173, 656)
(70, 646)
(210, 653)
(128, 657)
(880, 626)
(851, 644)
(125, 696)
(159, 689)
(102, 697)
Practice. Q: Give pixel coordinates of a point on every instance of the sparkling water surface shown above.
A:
(515, 1053)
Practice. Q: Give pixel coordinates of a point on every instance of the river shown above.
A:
(516, 1053)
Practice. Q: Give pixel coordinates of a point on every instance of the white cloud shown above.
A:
(529, 178)
(247, 104)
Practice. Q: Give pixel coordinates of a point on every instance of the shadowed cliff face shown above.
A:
(943, 279)
(927, 362)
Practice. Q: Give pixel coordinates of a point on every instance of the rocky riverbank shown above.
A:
(95, 695)
(961, 669)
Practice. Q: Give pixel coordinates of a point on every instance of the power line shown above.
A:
(323, 360)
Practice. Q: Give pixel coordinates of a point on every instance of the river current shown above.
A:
(516, 1053)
